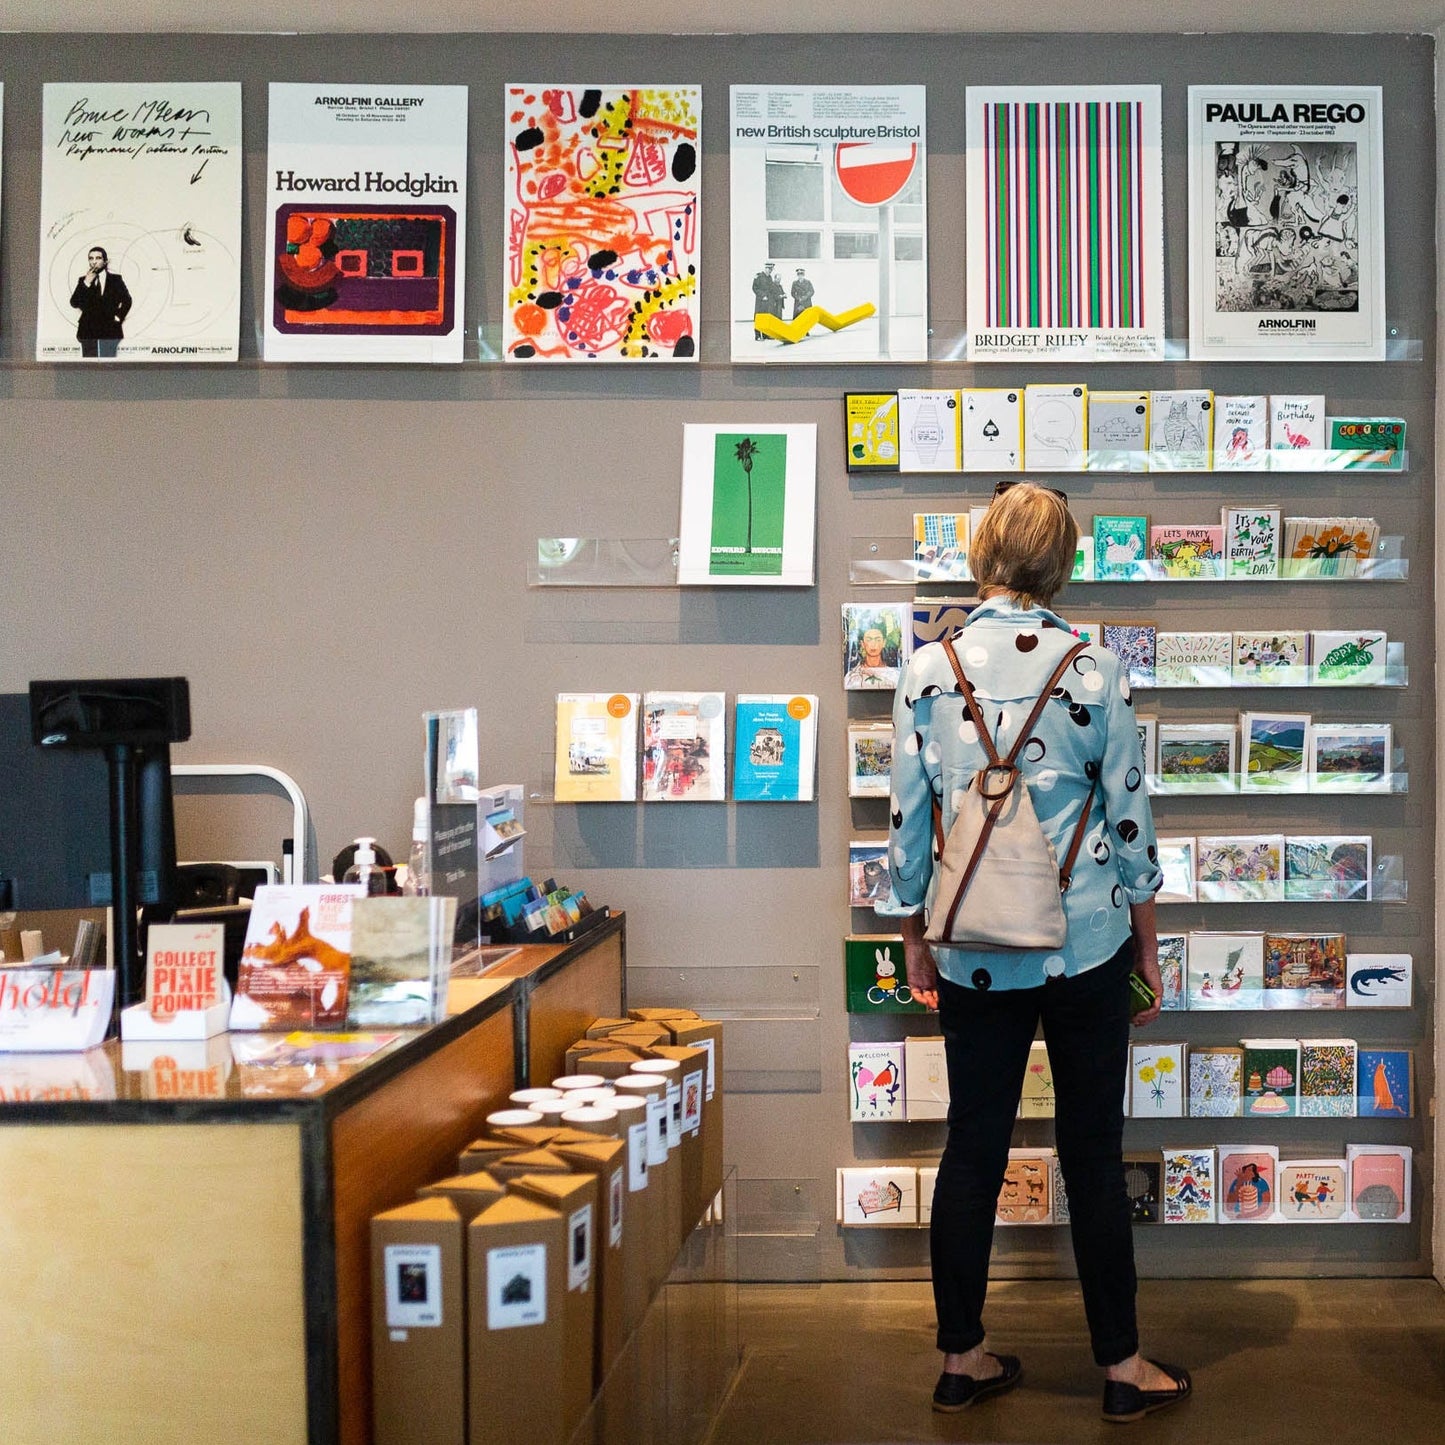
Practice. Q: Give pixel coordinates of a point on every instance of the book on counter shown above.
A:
(596, 756)
(775, 747)
(401, 955)
(296, 963)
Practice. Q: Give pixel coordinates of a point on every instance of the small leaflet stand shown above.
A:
(54, 1010)
(138, 1024)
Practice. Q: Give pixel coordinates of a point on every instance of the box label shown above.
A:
(674, 1114)
(614, 1209)
(579, 1247)
(708, 1044)
(413, 1285)
(692, 1087)
(516, 1286)
(658, 1115)
(637, 1157)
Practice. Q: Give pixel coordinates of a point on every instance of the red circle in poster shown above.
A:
(873, 174)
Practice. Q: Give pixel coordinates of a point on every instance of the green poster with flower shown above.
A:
(748, 494)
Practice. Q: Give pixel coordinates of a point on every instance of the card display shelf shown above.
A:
(1156, 462)
(1394, 674)
(1231, 786)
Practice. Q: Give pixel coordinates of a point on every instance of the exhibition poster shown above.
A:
(366, 202)
(1286, 223)
(603, 238)
(829, 221)
(1065, 223)
(748, 504)
(140, 223)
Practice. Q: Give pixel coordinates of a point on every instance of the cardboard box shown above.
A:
(574, 1196)
(638, 1036)
(528, 1136)
(691, 1060)
(660, 1015)
(602, 1027)
(577, 1055)
(480, 1153)
(611, 1063)
(526, 1161)
(620, 1242)
(516, 1333)
(468, 1193)
(707, 1034)
(418, 1325)
(664, 1177)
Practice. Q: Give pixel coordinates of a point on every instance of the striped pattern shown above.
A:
(1064, 199)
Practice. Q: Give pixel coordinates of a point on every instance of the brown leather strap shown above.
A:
(1066, 873)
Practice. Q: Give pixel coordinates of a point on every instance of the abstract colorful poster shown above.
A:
(1065, 224)
(140, 223)
(829, 223)
(366, 207)
(1286, 223)
(748, 504)
(603, 238)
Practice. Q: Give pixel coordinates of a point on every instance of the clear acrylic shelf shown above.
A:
(1232, 787)
(1157, 463)
(887, 562)
(604, 562)
(1393, 674)
(1386, 884)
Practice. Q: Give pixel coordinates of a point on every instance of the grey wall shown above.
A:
(326, 552)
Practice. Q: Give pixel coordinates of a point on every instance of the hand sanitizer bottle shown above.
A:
(418, 879)
(364, 868)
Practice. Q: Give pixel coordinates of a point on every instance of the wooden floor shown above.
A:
(1296, 1361)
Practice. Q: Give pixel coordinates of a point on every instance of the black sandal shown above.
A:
(957, 1392)
(1124, 1402)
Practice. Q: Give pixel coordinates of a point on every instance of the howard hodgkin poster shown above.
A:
(1065, 223)
(366, 205)
(603, 236)
(140, 223)
(1287, 223)
(829, 223)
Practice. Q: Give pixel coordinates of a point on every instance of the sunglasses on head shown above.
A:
(1002, 487)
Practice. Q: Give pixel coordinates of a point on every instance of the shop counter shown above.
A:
(184, 1230)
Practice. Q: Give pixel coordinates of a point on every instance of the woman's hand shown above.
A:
(1144, 929)
(919, 963)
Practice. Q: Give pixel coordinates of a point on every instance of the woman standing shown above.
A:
(1083, 752)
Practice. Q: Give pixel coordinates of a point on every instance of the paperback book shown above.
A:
(1188, 1186)
(1327, 1078)
(1248, 1176)
(992, 426)
(596, 753)
(1216, 1082)
(1192, 659)
(940, 546)
(1252, 539)
(1121, 545)
(1118, 431)
(1226, 970)
(1241, 868)
(1328, 869)
(1271, 1078)
(1312, 1191)
(876, 644)
(870, 426)
(775, 748)
(1055, 427)
(870, 759)
(1351, 757)
(1181, 430)
(868, 882)
(875, 1072)
(684, 747)
(1304, 970)
(1241, 433)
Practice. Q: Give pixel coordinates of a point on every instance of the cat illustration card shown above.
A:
(1248, 1176)
(1181, 430)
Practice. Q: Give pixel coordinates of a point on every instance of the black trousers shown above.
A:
(986, 1040)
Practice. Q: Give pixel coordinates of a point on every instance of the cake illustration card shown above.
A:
(1379, 1182)
(1181, 430)
(992, 426)
(1328, 869)
(1216, 1082)
(1024, 1197)
(1226, 970)
(1378, 980)
(1275, 749)
(1327, 1078)
(1189, 1186)
(1271, 1078)
(1245, 868)
(1252, 540)
(1197, 757)
(1241, 433)
(1248, 1174)
(875, 1072)
(1156, 1081)
(1385, 1087)
(1173, 969)
(1055, 428)
(1304, 970)
(1313, 1191)
(1351, 757)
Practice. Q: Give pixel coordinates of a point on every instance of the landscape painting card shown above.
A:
(876, 642)
(1304, 970)
(140, 222)
(1275, 751)
(1379, 980)
(1173, 968)
(1065, 224)
(1248, 1174)
(870, 759)
(1189, 1186)
(748, 505)
(1156, 1081)
(602, 222)
(1216, 1082)
(596, 753)
(992, 426)
(366, 210)
(1327, 1078)
(1328, 869)
(684, 747)
(1226, 970)
(1385, 1082)
(868, 882)
(1313, 1191)
(1351, 757)
(1379, 1182)
(1197, 757)
(1241, 868)
(1286, 223)
(829, 223)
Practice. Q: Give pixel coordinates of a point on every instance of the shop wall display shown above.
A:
(329, 551)
(366, 205)
(603, 222)
(140, 223)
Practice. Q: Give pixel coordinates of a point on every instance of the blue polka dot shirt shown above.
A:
(1087, 730)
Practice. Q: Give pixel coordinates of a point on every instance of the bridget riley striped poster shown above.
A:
(1065, 223)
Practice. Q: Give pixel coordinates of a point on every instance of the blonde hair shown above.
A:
(1025, 545)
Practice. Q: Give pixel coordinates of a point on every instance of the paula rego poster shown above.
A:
(366, 207)
(1286, 223)
(140, 223)
(603, 239)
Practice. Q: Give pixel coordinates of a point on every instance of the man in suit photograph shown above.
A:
(103, 301)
